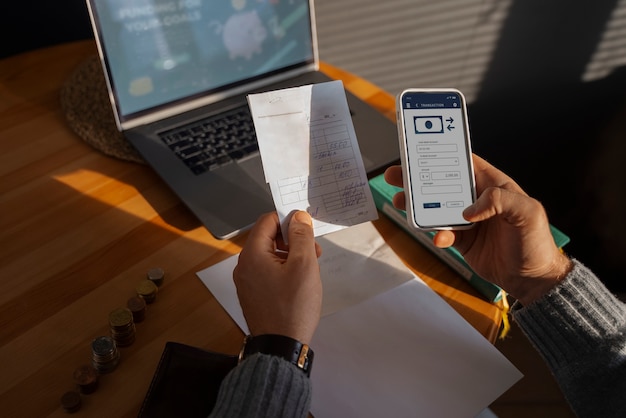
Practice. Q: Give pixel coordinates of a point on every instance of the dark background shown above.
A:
(561, 138)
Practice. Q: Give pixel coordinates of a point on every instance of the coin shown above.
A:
(120, 317)
(103, 346)
(104, 354)
(137, 306)
(70, 401)
(86, 378)
(147, 290)
(156, 275)
(124, 338)
(122, 327)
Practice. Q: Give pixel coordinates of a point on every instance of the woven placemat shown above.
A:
(85, 103)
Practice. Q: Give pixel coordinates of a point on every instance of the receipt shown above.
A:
(311, 157)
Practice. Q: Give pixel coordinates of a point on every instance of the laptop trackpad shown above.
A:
(253, 167)
(234, 197)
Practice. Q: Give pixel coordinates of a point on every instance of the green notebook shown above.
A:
(383, 193)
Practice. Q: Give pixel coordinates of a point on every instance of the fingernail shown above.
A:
(303, 217)
(469, 211)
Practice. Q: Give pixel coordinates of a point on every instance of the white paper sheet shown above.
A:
(355, 265)
(405, 353)
(311, 157)
(387, 345)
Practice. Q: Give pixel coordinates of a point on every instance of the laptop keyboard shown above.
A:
(215, 141)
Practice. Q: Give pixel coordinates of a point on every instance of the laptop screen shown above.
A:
(163, 52)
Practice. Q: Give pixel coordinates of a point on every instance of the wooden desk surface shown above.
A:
(79, 230)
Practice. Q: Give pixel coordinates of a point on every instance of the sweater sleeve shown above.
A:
(264, 386)
(579, 328)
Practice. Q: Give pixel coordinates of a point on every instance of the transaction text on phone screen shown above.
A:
(438, 158)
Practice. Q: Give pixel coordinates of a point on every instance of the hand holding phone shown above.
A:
(436, 158)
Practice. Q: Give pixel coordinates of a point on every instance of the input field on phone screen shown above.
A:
(442, 189)
(445, 175)
(437, 162)
(437, 148)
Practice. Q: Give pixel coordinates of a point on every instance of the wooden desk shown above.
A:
(79, 230)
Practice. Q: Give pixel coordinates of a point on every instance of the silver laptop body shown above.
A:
(174, 63)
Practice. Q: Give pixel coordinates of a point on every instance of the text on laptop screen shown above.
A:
(162, 51)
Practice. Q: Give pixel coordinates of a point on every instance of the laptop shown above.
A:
(178, 73)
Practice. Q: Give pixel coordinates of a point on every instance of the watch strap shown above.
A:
(295, 352)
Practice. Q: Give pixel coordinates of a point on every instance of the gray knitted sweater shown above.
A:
(579, 328)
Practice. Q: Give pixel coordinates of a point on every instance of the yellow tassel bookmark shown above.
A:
(504, 308)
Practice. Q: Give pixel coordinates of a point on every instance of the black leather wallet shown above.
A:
(186, 382)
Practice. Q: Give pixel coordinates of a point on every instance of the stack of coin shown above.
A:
(147, 290)
(122, 327)
(86, 379)
(70, 401)
(105, 355)
(156, 275)
(137, 306)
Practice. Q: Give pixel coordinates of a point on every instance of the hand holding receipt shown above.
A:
(311, 158)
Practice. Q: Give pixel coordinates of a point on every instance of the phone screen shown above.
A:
(438, 154)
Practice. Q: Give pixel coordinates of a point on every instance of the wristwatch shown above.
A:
(298, 354)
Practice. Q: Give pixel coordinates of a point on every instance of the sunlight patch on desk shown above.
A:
(126, 198)
(109, 191)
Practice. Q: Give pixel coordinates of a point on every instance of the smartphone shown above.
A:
(436, 158)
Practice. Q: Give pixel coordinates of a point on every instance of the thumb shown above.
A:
(301, 238)
(514, 207)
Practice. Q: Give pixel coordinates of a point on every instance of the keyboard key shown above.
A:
(215, 141)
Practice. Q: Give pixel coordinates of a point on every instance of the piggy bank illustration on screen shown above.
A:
(243, 35)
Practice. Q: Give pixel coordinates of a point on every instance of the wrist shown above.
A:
(289, 349)
(540, 286)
